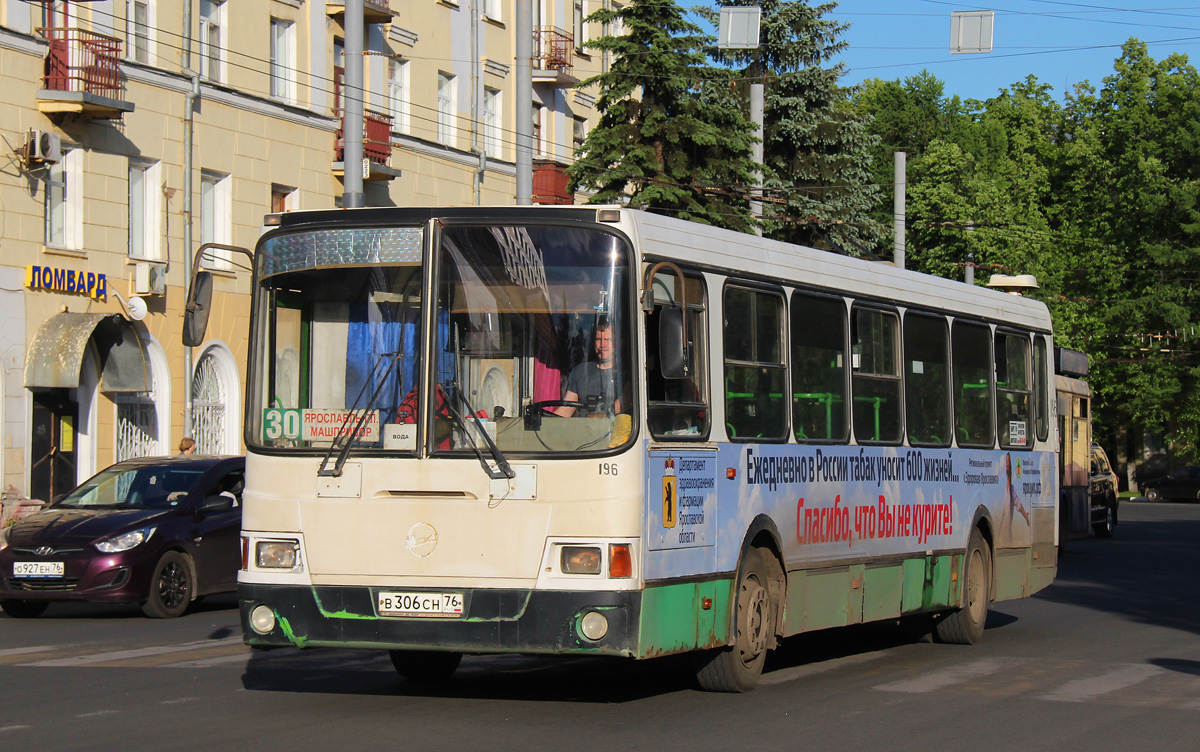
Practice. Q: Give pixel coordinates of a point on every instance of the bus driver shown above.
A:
(597, 379)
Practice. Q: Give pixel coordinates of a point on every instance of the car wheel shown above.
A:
(1106, 527)
(1152, 494)
(24, 609)
(171, 587)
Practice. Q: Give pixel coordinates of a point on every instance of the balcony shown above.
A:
(82, 75)
(550, 183)
(553, 49)
(377, 147)
(374, 11)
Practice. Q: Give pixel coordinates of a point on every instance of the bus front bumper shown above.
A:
(493, 621)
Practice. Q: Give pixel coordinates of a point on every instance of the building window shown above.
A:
(491, 9)
(145, 210)
(492, 143)
(446, 126)
(579, 134)
(283, 60)
(539, 147)
(398, 95)
(283, 198)
(138, 25)
(212, 51)
(578, 18)
(216, 210)
(62, 204)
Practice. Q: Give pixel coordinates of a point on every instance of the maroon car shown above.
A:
(159, 531)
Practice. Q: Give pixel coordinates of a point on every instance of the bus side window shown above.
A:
(678, 408)
(875, 363)
(972, 365)
(819, 387)
(1013, 391)
(755, 375)
(927, 379)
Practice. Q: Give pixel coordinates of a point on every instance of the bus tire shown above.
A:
(425, 666)
(965, 625)
(736, 668)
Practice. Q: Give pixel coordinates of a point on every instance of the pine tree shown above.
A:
(818, 183)
(668, 140)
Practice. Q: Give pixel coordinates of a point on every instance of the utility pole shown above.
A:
(524, 104)
(898, 208)
(739, 30)
(352, 109)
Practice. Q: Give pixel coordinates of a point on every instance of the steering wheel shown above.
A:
(543, 407)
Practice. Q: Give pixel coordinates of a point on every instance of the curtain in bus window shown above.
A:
(373, 331)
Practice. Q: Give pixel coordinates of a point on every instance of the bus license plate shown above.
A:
(37, 569)
(443, 605)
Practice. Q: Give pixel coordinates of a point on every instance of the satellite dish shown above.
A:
(136, 308)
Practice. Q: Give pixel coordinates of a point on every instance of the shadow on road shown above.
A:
(1145, 573)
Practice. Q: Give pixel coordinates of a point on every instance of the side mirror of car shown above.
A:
(218, 503)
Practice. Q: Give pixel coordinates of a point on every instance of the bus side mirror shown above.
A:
(672, 348)
(195, 315)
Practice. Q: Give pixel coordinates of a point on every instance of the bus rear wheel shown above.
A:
(965, 626)
(425, 666)
(736, 668)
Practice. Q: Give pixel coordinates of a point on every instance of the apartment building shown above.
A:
(134, 130)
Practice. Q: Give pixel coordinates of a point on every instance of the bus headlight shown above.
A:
(581, 559)
(277, 554)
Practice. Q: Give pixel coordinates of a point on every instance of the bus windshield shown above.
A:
(528, 348)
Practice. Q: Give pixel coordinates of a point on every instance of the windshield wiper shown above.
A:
(344, 451)
(502, 469)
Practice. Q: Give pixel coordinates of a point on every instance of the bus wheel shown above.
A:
(736, 668)
(425, 666)
(965, 626)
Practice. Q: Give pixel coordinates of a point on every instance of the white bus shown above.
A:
(593, 430)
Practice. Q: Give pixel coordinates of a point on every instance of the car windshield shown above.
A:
(144, 486)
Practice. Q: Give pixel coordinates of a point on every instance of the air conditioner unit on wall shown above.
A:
(149, 279)
(43, 146)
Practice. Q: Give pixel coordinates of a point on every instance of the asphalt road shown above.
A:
(1107, 658)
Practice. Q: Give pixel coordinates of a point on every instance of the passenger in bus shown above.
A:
(599, 382)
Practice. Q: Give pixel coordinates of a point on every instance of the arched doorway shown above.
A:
(216, 397)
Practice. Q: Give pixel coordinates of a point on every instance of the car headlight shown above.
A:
(4, 538)
(125, 541)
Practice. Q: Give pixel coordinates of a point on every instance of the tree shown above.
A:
(816, 147)
(669, 140)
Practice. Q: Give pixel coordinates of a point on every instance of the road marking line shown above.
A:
(799, 672)
(206, 662)
(13, 728)
(952, 675)
(25, 651)
(1082, 690)
(121, 655)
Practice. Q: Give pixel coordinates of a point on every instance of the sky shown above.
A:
(1062, 43)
